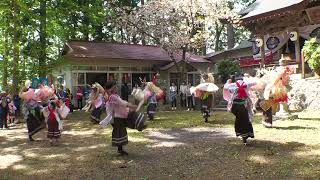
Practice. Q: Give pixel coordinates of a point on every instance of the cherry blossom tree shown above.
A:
(178, 26)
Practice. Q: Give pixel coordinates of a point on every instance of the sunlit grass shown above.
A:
(289, 150)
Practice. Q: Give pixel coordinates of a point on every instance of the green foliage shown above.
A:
(89, 20)
(227, 68)
(311, 50)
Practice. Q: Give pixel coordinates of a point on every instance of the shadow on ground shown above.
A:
(179, 153)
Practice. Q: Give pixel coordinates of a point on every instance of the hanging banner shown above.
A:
(272, 43)
(251, 61)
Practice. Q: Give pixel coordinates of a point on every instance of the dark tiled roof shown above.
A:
(262, 7)
(105, 50)
(243, 45)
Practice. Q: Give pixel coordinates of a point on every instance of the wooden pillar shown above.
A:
(302, 66)
(262, 52)
(298, 51)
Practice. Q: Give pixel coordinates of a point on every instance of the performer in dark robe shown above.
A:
(121, 117)
(4, 109)
(241, 106)
(97, 102)
(31, 110)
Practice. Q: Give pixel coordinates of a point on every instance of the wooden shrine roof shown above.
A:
(269, 8)
(272, 16)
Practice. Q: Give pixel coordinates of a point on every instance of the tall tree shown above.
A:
(15, 44)
(176, 25)
(43, 38)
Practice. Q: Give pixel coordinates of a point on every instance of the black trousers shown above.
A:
(242, 125)
(183, 101)
(190, 102)
(3, 120)
(174, 102)
(80, 103)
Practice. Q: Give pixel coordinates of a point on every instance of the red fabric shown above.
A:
(242, 94)
(283, 99)
(79, 94)
(251, 61)
(67, 102)
(52, 116)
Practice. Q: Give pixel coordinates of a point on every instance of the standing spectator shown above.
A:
(190, 102)
(125, 91)
(68, 99)
(86, 91)
(12, 111)
(183, 96)
(79, 97)
(173, 96)
(60, 93)
(16, 102)
(3, 111)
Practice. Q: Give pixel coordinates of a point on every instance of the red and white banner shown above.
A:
(252, 61)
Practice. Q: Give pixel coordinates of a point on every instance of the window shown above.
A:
(81, 79)
(190, 79)
(135, 69)
(113, 77)
(90, 68)
(114, 68)
(174, 79)
(102, 68)
(74, 79)
(126, 77)
(124, 68)
(146, 68)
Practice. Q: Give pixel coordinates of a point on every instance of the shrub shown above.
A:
(227, 68)
(311, 50)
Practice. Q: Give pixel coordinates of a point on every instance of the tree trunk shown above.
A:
(231, 36)
(143, 36)
(5, 61)
(217, 37)
(15, 43)
(230, 30)
(184, 64)
(43, 37)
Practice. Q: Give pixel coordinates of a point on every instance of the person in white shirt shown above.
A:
(190, 102)
(183, 94)
(173, 96)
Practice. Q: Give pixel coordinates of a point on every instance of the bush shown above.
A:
(311, 50)
(227, 68)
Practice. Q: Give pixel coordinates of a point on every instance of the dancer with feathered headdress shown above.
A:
(31, 109)
(152, 93)
(205, 91)
(240, 104)
(96, 102)
(274, 92)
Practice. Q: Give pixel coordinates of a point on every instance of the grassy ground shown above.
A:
(176, 145)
